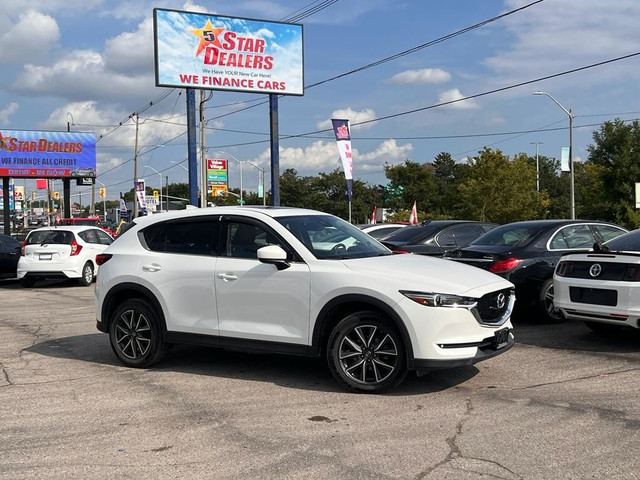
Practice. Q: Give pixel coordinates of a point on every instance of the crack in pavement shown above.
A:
(569, 380)
(456, 453)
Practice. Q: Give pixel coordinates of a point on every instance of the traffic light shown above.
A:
(103, 192)
(155, 195)
(33, 195)
(56, 195)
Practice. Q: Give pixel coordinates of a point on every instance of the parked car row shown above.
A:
(308, 283)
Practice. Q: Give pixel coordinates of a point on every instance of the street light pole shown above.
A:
(151, 168)
(571, 170)
(537, 166)
(261, 170)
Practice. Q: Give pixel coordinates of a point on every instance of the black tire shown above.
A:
(87, 276)
(365, 353)
(605, 328)
(135, 334)
(27, 282)
(545, 302)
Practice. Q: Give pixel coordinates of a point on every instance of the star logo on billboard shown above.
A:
(208, 36)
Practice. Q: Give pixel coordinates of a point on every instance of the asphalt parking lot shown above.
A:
(562, 404)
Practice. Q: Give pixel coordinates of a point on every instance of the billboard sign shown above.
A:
(11, 206)
(47, 154)
(217, 171)
(196, 50)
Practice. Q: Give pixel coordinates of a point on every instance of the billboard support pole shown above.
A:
(275, 151)
(192, 146)
(6, 213)
(66, 197)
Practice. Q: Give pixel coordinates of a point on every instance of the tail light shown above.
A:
(22, 249)
(75, 248)
(102, 258)
(504, 266)
(399, 251)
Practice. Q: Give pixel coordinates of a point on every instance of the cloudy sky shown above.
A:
(90, 63)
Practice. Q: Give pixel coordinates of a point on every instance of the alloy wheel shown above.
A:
(133, 334)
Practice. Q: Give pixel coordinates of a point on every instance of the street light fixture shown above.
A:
(571, 172)
(261, 170)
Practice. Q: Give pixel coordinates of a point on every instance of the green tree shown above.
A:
(418, 184)
(616, 148)
(501, 190)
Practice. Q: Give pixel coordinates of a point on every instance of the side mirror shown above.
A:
(274, 255)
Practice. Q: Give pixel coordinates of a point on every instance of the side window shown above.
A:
(447, 239)
(243, 240)
(104, 238)
(574, 236)
(608, 232)
(193, 237)
(88, 236)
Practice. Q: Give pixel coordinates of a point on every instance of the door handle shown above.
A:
(152, 268)
(226, 277)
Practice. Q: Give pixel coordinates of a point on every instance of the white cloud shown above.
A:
(131, 52)
(556, 36)
(452, 96)
(31, 37)
(324, 157)
(353, 116)
(5, 113)
(425, 75)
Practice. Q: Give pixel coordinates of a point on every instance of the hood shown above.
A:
(429, 274)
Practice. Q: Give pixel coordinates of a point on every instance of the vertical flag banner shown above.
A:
(343, 138)
(374, 216)
(124, 214)
(565, 162)
(413, 218)
(140, 194)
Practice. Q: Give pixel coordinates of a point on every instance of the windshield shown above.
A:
(629, 242)
(329, 237)
(509, 235)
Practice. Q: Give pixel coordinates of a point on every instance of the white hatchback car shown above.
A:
(62, 252)
(265, 279)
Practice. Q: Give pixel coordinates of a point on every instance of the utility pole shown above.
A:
(135, 172)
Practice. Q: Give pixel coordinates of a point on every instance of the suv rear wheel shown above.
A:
(366, 354)
(135, 334)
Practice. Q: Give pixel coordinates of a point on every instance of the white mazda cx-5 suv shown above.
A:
(296, 281)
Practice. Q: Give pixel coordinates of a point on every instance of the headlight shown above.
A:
(429, 299)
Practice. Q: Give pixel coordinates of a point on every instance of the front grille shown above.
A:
(493, 306)
(594, 296)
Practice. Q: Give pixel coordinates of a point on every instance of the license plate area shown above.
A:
(501, 338)
(45, 256)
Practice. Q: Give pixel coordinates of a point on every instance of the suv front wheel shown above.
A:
(366, 354)
(135, 334)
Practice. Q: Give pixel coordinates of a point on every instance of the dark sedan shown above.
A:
(435, 237)
(526, 253)
(9, 255)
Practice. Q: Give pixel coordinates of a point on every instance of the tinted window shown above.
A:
(460, 235)
(381, 232)
(61, 237)
(194, 237)
(89, 236)
(104, 238)
(511, 235)
(243, 240)
(627, 242)
(412, 234)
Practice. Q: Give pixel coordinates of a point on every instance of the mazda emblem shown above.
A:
(501, 300)
(595, 270)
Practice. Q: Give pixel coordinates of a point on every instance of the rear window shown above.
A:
(61, 237)
(510, 235)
